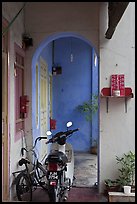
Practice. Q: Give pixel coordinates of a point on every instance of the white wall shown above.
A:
(117, 56)
(47, 18)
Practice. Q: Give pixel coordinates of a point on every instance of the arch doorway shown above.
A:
(75, 82)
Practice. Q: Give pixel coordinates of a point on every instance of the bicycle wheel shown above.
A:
(41, 177)
(23, 188)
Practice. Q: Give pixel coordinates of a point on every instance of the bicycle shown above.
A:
(27, 180)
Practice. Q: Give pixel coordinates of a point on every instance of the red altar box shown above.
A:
(118, 84)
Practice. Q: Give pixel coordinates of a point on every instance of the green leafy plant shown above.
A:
(111, 183)
(127, 168)
(90, 107)
(126, 171)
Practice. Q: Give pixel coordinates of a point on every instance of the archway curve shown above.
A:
(56, 36)
(52, 37)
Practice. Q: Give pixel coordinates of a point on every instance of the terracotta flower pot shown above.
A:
(116, 188)
(93, 150)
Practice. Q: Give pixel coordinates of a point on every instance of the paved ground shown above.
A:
(85, 170)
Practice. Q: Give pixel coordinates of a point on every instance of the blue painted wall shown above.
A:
(72, 88)
(95, 91)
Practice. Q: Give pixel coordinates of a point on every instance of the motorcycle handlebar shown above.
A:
(70, 131)
(57, 135)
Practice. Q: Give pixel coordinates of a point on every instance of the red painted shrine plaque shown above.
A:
(118, 85)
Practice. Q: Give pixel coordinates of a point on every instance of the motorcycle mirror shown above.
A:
(69, 124)
(48, 133)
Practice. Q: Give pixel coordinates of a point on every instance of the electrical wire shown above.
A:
(6, 29)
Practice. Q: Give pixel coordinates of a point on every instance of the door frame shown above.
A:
(44, 102)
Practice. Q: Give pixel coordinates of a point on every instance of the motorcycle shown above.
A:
(60, 165)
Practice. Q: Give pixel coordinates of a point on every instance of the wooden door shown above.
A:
(50, 96)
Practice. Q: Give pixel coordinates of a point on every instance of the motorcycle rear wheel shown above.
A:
(54, 194)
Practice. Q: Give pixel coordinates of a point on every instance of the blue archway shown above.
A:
(52, 37)
(43, 44)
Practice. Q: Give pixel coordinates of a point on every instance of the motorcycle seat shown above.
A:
(57, 156)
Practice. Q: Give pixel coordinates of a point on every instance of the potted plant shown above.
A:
(126, 173)
(127, 170)
(94, 147)
(89, 108)
(112, 186)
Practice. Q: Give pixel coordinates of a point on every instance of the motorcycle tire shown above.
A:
(54, 194)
